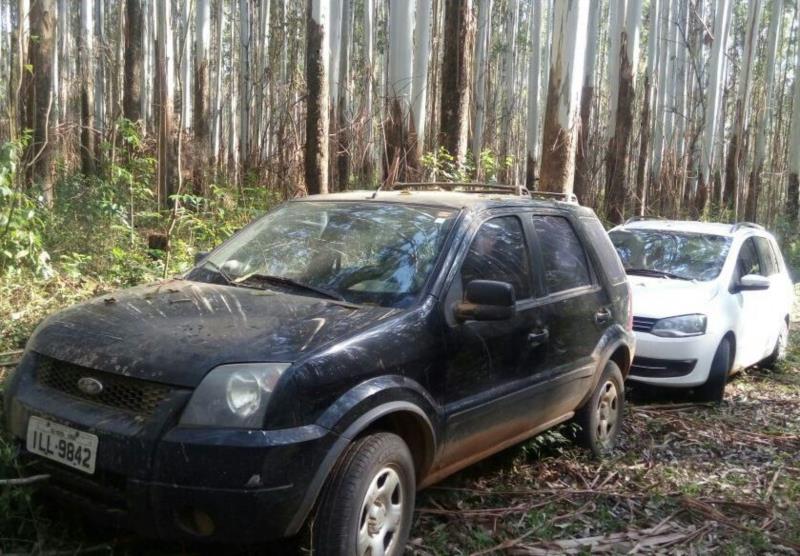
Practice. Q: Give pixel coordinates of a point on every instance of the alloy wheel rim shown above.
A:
(607, 413)
(381, 514)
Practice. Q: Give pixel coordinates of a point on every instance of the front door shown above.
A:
(754, 308)
(492, 366)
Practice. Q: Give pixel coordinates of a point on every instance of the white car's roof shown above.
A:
(691, 226)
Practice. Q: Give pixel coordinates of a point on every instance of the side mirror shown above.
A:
(752, 282)
(487, 300)
(199, 256)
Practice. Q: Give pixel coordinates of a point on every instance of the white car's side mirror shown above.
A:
(752, 282)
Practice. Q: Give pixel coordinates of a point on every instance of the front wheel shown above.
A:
(600, 419)
(368, 502)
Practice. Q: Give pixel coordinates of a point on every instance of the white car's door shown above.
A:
(780, 291)
(756, 320)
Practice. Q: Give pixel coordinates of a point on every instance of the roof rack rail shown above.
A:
(464, 187)
(556, 195)
(740, 225)
(633, 219)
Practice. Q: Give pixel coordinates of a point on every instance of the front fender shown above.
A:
(355, 411)
(612, 339)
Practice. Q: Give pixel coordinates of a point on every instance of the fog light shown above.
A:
(194, 521)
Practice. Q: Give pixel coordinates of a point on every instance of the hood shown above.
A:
(176, 331)
(663, 297)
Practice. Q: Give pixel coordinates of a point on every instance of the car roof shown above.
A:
(689, 226)
(447, 199)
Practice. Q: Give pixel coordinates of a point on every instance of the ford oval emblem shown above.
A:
(90, 386)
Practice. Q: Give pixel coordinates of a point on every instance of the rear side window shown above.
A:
(767, 254)
(565, 264)
(747, 262)
(498, 252)
(609, 259)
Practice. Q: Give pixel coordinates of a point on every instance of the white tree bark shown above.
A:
(660, 113)
(369, 41)
(532, 127)
(722, 22)
(616, 18)
(681, 72)
(793, 185)
(563, 95)
(398, 87)
(318, 104)
(419, 85)
(99, 80)
(244, 81)
(509, 91)
(262, 85)
(186, 65)
(217, 106)
(481, 69)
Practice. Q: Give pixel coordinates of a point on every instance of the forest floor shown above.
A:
(687, 478)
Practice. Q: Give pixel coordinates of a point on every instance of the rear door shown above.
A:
(777, 307)
(578, 309)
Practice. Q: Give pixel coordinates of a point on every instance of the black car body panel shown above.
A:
(455, 390)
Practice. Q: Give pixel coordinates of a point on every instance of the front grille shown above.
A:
(120, 392)
(643, 324)
(661, 368)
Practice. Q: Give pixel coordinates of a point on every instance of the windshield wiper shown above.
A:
(289, 282)
(654, 272)
(218, 269)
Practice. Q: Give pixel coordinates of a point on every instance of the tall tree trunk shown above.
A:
(583, 175)
(742, 110)
(318, 99)
(419, 85)
(563, 91)
(401, 160)
(39, 94)
(532, 127)
(167, 153)
(660, 112)
(459, 39)
(217, 109)
(186, 65)
(509, 93)
(343, 99)
(647, 107)
(630, 11)
(134, 78)
(481, 71)
(714, 92)
(369, 163)
(244, 84)
(793, 183)
(87, 74)
(765, 114)
(100, 72)
(263, 81)
(201, 95)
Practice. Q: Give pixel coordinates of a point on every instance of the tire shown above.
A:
(600, 419)
(357, 513)
(714, 388)
(779, 353)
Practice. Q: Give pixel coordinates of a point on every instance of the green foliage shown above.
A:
(445, 167)
(22, 219)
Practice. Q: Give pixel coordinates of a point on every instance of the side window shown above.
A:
(747, 262)
(767, 255)
(498, 252)
(609, 259)
(565, 264)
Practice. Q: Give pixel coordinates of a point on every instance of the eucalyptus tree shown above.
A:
(216, 114)
(369, 164)
(742, 109)
(456, 72)
(642, 175)
(318, 97)
(419, 84)
(713, 95)
(563, 95)
(165, 64)
(765, 112)
(620, 120)
(86, 57)
(582, 172)
(200, 108)
(400, 151)
(244, 83)
(532, 127)
(134, 61)
(343, 97)
(186, 65)
(793, 182)
(481, 70)
(508, 90)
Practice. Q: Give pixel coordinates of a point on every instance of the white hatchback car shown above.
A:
(708, 300)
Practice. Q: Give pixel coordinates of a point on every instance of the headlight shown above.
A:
(680, 327)
(233, 396)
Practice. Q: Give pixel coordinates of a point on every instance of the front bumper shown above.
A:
(672, 362)
(166, 482)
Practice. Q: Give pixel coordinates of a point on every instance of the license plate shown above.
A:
(66, 445)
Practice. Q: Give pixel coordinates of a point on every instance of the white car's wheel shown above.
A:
(781, 344)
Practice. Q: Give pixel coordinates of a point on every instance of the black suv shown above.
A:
(330, 359)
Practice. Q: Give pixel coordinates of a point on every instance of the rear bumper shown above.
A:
(172, 483)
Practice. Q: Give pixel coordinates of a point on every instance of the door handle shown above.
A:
(539, 337)
(602, 316)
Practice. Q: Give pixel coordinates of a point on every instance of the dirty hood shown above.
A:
(176, 331)
(662, 297)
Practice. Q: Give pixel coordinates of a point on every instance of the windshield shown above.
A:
(671, 254)
(376, 253)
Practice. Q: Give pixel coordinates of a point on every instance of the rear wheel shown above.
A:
(714, 388)
(779, 353)
(368, 502)
(600, 419)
